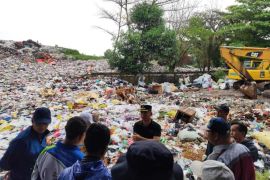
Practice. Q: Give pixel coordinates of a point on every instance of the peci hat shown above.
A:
(223, 107)
(211, 170)
(218, 125)
(42, 115)
(145, 108)
(87, 117)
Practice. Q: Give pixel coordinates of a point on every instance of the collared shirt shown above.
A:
(22, 153)
(237, 158)
(153, 129)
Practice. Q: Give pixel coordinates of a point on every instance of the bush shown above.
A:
(75, 54)
(219, 74)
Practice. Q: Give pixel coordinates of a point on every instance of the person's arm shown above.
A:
(254, 152)
(137, 137)
(47, 167)
(156, 137)
(10, 157)
(35, 174)
(157, 134)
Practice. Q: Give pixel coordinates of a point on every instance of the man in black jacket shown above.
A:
(147, 160)
(239, 132)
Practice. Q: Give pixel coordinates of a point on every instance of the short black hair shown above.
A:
(241, 126)
(75, 127)
(97, 139)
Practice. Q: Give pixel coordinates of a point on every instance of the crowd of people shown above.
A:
(80, 156)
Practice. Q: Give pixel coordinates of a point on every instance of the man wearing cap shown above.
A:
(234, 155)
(147, 160)
(146, 129)
(20, 157)
(223, 112)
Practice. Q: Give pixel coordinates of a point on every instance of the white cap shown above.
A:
(211, 170)
(87, 117)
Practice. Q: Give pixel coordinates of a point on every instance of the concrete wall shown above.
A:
(151, 77)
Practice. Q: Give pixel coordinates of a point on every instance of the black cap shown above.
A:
(145, 108)
(146, 157)
(219, 125)
(223, 107)
(42, 115)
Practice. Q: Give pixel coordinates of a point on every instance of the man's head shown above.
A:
(218, 131)
(97, 140)
(238, 131)
(222, 111)
(75, 130)
(146, 113)
(149, 160)
(41, 119)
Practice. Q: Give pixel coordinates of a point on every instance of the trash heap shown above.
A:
(64, 88)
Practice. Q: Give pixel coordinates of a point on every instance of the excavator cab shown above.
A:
(252, 64)
(248, 64)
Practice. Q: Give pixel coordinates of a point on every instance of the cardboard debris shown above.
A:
(157, 88)
(186, 115)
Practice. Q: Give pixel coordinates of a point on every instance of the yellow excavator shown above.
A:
(250, 66)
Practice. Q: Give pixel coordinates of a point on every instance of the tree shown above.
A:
(121, 17)
(204, 38)
(248, 23)
(148, 39)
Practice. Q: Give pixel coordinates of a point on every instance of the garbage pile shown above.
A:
(63, 88)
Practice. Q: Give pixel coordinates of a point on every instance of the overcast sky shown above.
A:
(67, 23)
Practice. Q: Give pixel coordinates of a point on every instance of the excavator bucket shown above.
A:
(250, 90)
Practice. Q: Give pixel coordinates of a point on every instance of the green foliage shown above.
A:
(168, 50)
(75, 54)
(198, 37)
(204, 38)
(248, 23)
(127, 57)
(148, 40)
(108, 54)
(219, 74)
(262, 176)
(146, 16)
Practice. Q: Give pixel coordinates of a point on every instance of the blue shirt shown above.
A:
(54, 159)
(86, 170)
(22, 153)
(67, 154)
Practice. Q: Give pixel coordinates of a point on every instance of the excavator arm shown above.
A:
(234, 57)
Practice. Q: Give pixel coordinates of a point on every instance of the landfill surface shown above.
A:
(61, 84)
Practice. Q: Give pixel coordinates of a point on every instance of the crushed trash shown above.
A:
(181, 111)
